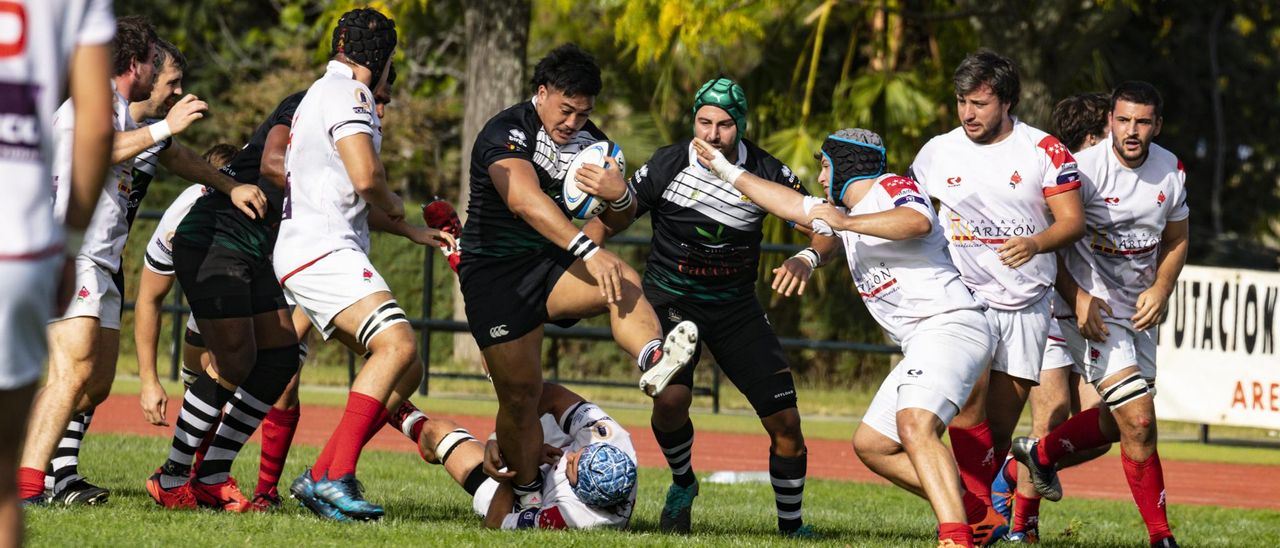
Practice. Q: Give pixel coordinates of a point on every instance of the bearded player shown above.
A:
(702, 268)
(1009, 196)
(1118, 283)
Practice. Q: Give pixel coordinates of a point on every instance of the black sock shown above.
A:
(677, 446)
(243, 414)
(786, 474)
(200, 411)
(474, 479)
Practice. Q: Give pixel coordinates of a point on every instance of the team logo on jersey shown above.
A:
(365, 106)
(1160, 199)
(674, 315)
(1094, 354)
(897, 185)
(642, 173)
(1112, 200)
(600, 430)
(1057, 152)
(1015, 180)
(914, 373)
(367, 276)
(953, 181)
(82, 294)
(516, 137)
(716, 238)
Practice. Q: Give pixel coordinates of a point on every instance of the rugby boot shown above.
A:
(1166, 542)
(179, 497)
(1045, 478)
(266, 502)
(1002, 491)
(347, 495)
(990, 530)
(222, 496)
(81, 492)
(1030, 536)
(678, 509)
(677, 350)
(303, 490)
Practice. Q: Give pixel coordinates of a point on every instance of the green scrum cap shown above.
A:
(728, 95)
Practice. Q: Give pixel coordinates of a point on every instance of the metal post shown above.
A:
(428, 284)
(715, 390)
(1204, 433)
(175, 351)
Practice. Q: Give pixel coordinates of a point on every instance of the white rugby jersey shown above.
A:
(582, 425)
(902, 282)
(159, 256)
(991, 193)
(1126, 211)
(35, 50)
(322, 212)
(105, 237)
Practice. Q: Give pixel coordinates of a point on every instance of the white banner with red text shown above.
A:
(1217, 361)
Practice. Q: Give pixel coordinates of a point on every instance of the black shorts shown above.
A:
(506, 297)
(225, 283)
(737, 333)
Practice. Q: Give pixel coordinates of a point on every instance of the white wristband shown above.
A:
(72, 242)
(809, 255)
(160, 131)
(623, 202)
(821, 228)
(582, 247)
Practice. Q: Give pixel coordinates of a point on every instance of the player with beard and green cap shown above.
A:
(706, 252)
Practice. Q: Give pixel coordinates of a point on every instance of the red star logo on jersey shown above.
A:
(82, 294)
(1160, 199)
(368, 275)
(1014, 180)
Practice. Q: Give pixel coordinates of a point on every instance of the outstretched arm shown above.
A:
(186, 163)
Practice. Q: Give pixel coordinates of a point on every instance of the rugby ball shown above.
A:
(579, 204)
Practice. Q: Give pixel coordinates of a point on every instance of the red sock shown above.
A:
(1010, 471)
(198, 456)
(409, 414)
(1146, 482)
(1026, 512)
(30, 482)
(957, 532)
(360, 421)
(277, 437)
(975, 456)
(974, 509)
(378, 423)
(1079, 433)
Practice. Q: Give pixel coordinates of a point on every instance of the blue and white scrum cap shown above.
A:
(606, 476)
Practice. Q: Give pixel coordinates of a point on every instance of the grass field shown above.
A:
(425, 508)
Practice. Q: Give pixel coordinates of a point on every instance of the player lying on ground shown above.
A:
(702, 268)
(898, 259)
(587, 458)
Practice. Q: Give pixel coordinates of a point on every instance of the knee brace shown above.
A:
(451, 441)
(771, 394)
(386, 315)
(1128, 389)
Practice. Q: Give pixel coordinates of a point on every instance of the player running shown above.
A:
(898, 260)
(1009, 196)
(589, 462)
(518, 246)
(336, 185)
(1119, 282)
(66, 50)
(702, 268)
(1079, 121)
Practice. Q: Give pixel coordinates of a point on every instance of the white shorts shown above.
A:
(1123, 348)
(1022, 338)
(95, 296)
(26, 303)
(944, 357)
(331, 284)
(1056, 353)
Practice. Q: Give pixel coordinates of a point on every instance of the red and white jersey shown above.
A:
(902, 282)
(159, 256)
(582, 425)
(322, 212)
(37, 38)
(991, 193)
(1125, 211)
(105, 237)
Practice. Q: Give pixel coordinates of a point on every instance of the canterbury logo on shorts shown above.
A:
(498, 331)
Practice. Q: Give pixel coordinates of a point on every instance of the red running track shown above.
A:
(1187, 482)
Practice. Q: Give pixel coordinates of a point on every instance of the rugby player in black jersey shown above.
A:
(702, 268)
